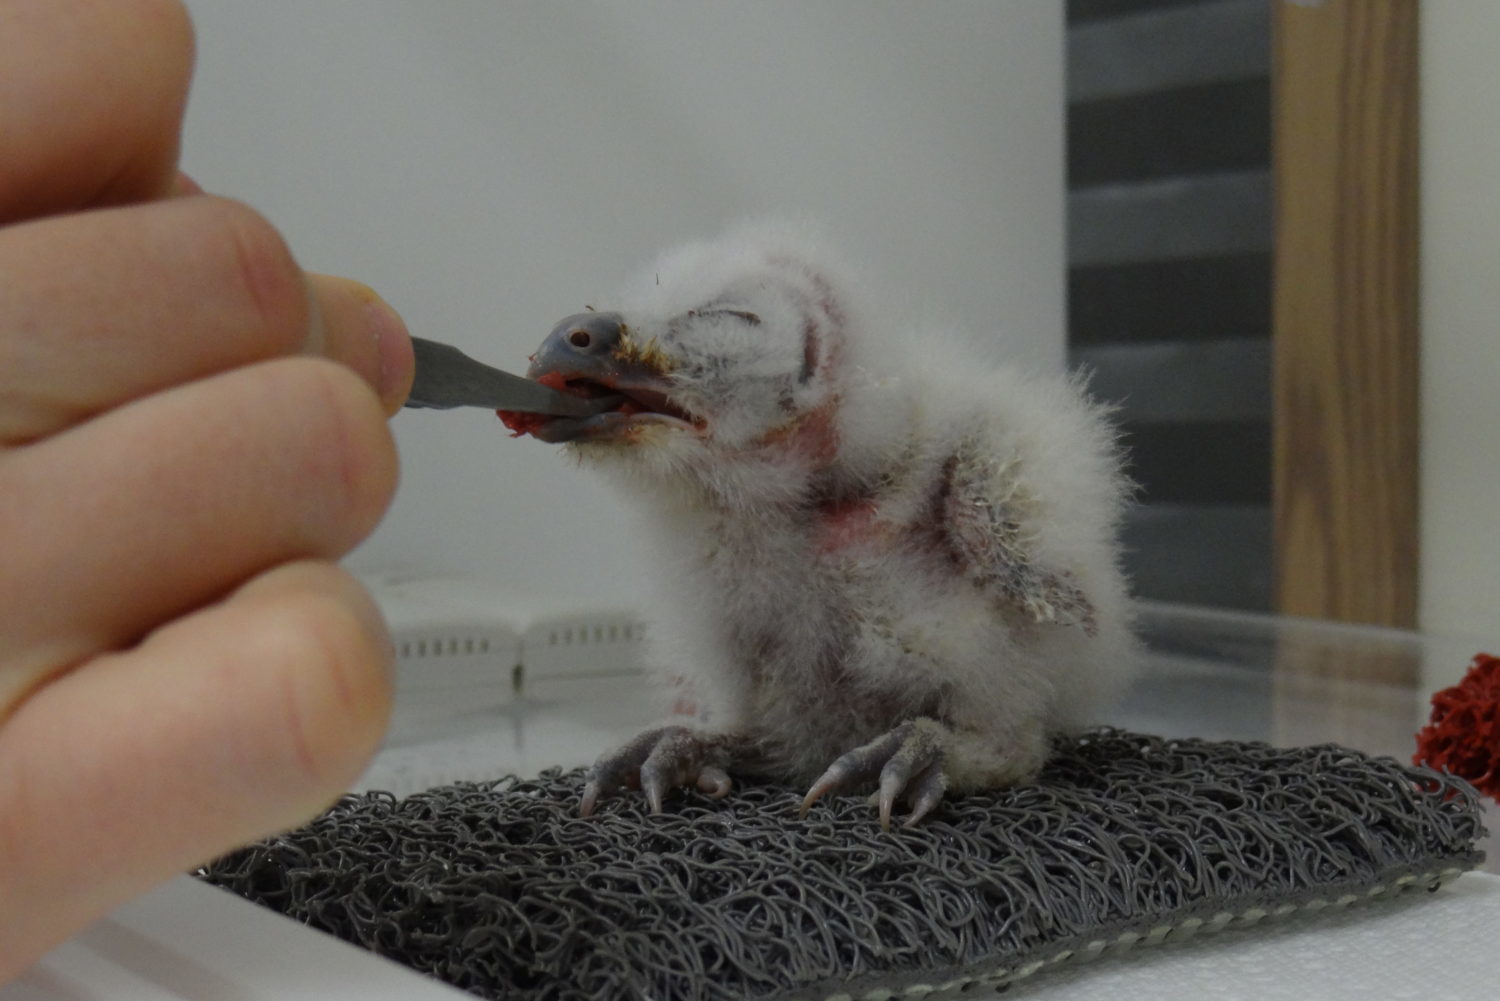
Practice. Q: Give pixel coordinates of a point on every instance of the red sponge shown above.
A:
(1463, 734)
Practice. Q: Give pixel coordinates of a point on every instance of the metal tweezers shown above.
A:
(447, 378)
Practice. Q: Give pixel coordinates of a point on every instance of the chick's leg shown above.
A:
(659, 760)
(908, 761)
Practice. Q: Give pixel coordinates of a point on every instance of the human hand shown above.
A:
(188, 438)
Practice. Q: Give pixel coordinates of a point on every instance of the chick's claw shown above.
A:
(908, 763)
(656, 762)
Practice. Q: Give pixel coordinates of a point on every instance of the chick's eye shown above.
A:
(739, 314)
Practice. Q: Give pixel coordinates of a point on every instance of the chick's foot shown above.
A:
(908, 761)
(657, 761)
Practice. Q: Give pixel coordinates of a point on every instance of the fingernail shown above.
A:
(393, 347)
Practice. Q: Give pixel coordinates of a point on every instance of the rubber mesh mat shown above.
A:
(501, 889)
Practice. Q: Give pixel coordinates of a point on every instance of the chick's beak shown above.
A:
(593, 354)
(582, 346)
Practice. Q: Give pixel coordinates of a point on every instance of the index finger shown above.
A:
(92, 94)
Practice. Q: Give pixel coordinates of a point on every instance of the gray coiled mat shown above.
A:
(501, 889)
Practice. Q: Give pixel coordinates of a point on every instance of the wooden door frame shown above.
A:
(1345, 337)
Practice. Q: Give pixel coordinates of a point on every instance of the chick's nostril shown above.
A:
(588, 334)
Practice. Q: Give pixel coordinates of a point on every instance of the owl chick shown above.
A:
(883, 560)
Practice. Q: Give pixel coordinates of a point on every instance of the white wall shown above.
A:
(1460, 320)
(491, 167)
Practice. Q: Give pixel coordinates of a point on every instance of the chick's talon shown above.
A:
(656, 762)
(922, 793)
(908, 763)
